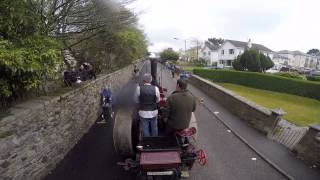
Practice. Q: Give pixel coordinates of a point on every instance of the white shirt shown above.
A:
(147, 114)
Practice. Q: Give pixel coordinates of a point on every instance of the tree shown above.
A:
(169, 54)
(29, 57)
(237, 65)
(266, 62)
(313, 51)
(33, 33)
(216, 41)
(252, 60)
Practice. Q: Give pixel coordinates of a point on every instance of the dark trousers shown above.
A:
(107, 111)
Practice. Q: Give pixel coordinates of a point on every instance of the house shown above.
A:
(210, 53)
(230, 49)
(281, 60)
(297, 59)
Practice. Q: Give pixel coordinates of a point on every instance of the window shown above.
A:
(204, 53)
(209, 53)
(231, 51)
(222, 52)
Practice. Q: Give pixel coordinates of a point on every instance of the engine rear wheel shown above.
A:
(122, 133)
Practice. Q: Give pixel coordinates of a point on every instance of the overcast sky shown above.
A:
(277, 24)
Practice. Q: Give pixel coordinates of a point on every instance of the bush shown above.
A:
(252, 60)
(313, 78)
(263, 81)
(237, 65)
(27, 65)
(293, 75)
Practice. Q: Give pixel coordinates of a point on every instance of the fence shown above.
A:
(287, 134)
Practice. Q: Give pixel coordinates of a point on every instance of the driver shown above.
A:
(147, 96)
(180, 105)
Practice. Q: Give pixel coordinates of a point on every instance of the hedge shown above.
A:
(263, 81)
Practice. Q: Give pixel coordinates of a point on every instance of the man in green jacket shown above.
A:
(180, 105)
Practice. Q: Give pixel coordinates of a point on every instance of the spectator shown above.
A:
(148, 96)
(107, 102)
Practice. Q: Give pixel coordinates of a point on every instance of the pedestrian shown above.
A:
(135, 69)
(91, 71)
(147, 96)
(173, 69)
(180, 105)
(135, 73)
(107, 102)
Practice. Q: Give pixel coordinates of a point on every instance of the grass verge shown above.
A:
(300, 110)
(190, 68)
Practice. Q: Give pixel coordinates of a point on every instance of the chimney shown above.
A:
(249, 44)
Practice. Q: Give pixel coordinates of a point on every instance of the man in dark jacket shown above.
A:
(180, 105)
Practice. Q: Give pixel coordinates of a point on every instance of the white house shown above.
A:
(210, 53)
(297, 59)
(230, 49)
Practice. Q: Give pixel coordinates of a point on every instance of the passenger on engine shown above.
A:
(180, 105)
(147, 96)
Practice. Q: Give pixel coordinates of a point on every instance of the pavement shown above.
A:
(94, 158)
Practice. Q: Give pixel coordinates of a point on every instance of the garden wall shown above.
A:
(39, 133)
(257, 116)
(308, 149)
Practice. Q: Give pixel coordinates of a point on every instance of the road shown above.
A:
(93, 158)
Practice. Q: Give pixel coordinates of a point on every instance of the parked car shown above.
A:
(314, 75)
(185, 75)
(288, 69)
(304, 70)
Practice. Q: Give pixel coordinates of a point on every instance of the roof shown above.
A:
(279, 56)
(211, 46)
(245, 44)
(292, 52)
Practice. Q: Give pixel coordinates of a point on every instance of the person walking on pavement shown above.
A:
(135, 73)
(173, 69)
(180, 105)
(107, 102)
(147, 96)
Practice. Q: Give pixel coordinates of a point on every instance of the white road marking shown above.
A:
(253, 159)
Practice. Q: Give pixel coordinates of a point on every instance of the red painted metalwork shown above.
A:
(160, 160)
(187, 132)
(202, 157)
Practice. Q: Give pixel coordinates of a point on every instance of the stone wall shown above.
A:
(308, 148)
(255, 115)
(39, 133)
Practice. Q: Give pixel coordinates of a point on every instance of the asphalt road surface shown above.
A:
(93, 158)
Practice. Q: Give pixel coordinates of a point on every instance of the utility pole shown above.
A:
(185, 46)
(197, 50)
(185, 49)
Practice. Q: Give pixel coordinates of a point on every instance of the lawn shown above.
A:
(300, 110)
(190, 68)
